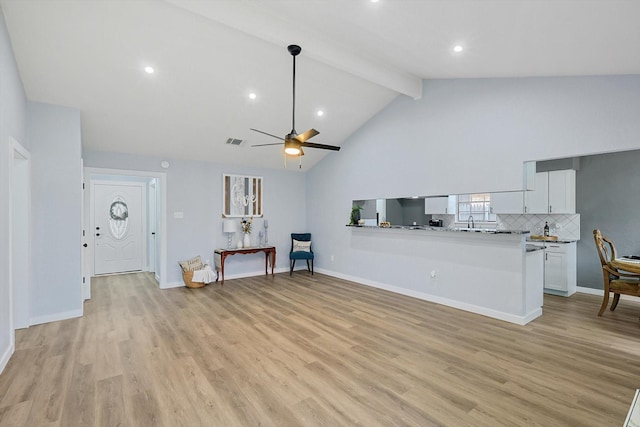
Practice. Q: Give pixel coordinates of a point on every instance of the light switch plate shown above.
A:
(178, 215)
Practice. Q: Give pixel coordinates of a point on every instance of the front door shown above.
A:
(118, 210)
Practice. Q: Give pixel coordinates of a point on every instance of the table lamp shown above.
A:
(229, 226)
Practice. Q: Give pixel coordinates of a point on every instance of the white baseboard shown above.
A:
(507, 317)
(590, 291)
(233, 276)
(172, 285)
(600, 292)
(6, 356)
(55, 317)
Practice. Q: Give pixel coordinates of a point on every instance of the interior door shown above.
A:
(151, 246)
(118, 212)
(85, 259)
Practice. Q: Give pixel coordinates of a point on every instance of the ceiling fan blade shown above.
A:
(322, 146)
(307, 135)
(264, 145)
(268, 134)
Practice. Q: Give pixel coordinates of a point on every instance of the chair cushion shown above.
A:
(301, 246)
(192, 264)
(300, 255)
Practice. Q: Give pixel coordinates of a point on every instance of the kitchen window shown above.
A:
(476, 205)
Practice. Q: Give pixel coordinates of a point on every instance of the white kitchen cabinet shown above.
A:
(537, 201)
(560, 268)
(439, 205)
(562, 192)
(511, 202)
(555, 192)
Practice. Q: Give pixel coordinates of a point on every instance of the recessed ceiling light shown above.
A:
(374, 1)
(252, 95)
(149, 70)
(458, 48)
(319, 113)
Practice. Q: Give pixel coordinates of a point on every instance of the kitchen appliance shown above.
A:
(435, 223)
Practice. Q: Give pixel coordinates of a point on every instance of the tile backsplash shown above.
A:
(565, 226)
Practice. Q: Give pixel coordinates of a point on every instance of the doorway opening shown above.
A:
(20, 214)
(112, 216)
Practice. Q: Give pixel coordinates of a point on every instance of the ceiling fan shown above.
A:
(294, 142)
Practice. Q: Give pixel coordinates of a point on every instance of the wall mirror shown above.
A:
(241, 196)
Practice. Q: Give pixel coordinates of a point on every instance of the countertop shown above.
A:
(445, 229)
(563, 241)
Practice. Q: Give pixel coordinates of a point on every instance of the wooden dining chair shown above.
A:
(616, 281)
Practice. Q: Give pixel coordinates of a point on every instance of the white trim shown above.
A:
(171, 285)
(600, 292)
(590, 291)
(162, 182)
(500, 315)
(6, 356)
(234, 276)
(17, 149)
(56, 317)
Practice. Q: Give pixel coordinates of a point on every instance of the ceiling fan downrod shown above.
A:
(294, 50)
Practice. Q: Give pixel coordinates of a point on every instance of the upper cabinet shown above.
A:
(562, 191)
(555, 193)
(536, 201)
(511, 202)
(439, 205)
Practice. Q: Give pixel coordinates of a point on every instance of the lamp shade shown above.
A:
(292, 147)
(229, 226)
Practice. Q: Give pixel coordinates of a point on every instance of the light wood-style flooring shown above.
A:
(317, 351)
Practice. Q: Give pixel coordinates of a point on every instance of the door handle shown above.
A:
(85, 245)
(153, 233)
(97, 228)
(97, 234)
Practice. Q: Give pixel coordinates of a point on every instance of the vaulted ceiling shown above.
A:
(357, 56)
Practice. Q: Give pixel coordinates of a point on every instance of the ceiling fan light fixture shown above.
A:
(292, 147)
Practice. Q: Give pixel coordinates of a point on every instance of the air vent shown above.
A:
(234, 141)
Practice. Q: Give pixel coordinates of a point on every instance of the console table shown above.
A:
(219, 255)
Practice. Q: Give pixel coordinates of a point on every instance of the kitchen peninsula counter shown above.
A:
(443, 229)
(489, 272)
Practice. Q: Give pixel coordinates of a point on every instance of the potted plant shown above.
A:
(355, 214)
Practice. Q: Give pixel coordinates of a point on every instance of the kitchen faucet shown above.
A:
(470, 221)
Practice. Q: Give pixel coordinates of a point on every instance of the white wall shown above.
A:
(13, 116)
(195, 189)
(463, 136)
(54, 135)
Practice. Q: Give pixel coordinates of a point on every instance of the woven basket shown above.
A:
(187, 276)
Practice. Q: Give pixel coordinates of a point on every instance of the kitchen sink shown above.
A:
(476, 230)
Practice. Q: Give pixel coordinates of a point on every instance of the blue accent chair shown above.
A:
(295, 255)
